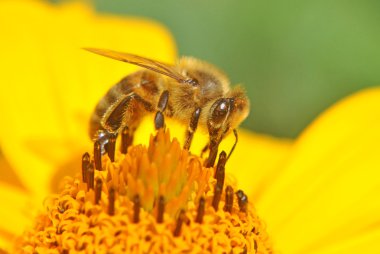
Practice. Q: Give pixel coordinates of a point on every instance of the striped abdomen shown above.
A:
(125, 103)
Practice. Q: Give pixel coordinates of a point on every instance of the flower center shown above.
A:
(155, 199)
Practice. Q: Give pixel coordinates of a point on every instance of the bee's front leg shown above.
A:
(213, 147)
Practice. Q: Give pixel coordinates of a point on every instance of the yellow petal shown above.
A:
(363, 242)
(50, 85)
(8, 174)
(328, 190)
(255, 161)
(16, 213)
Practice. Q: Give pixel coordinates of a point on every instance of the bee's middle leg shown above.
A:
(159, 121)
(192, 128)
(205, 148)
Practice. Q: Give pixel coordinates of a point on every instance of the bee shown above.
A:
(192, 91)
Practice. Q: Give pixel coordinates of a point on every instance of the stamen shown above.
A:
(98, 190)
(85, 164)
(217, 195)
(161, 209)
(242, 200)
(90, 176)
(98, 155)
(111, 146)
(111, 201)
(201, 210)
(180, 220)
(157, 190)
(229, 199)
(136, 208)
(126, 140)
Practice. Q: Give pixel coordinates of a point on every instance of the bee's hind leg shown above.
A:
(159, 121)
(192, 128)
(126, 139)
(132, 118)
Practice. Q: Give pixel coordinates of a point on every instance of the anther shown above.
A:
(111, 147)
(180, 220)
(160, 209)
(217, 195)
(98, 155)
(98, 190)
(111, 201)
(85, 164)
(229, 199)
(201, 210)
(90, 176)
(242, 200)
(126, 140)
(136, 208)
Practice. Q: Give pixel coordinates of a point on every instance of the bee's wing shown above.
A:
(141, 61)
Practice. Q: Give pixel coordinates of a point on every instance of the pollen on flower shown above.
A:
(155, 199)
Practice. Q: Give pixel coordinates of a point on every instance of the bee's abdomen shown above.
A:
(109, 112)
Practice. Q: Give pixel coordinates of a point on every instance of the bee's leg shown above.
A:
(192, 128)
(132, 119)
(213, 147)
(205, 148)
(215, 138)
(159, 121)
(126, 139)
(127, 111)
(102, 137)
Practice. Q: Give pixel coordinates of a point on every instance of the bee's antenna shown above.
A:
(233, 147)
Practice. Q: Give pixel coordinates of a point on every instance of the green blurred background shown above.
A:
(294, 57)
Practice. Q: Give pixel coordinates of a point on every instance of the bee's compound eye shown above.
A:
(220, 110)
(192, 81)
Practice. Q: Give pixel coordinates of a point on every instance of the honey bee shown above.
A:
(192, 91)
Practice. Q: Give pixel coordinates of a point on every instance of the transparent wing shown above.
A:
(147, 63)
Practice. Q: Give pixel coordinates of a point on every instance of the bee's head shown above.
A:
(227, 113)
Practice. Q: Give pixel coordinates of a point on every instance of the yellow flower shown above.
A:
(316, 195)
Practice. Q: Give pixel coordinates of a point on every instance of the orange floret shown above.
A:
(155, 199)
